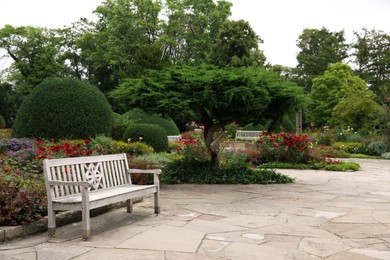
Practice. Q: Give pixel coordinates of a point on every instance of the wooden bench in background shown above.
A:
(85, 183)
(247, 135)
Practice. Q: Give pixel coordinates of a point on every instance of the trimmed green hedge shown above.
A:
(64, 108)
(138, 116)
(153, 135)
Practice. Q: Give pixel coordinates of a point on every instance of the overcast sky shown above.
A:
(277, 22)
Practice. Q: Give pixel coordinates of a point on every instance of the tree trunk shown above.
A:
(209, 133)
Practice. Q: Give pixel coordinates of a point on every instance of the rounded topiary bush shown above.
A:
(138, 116)
(153, 135)
(63, 108)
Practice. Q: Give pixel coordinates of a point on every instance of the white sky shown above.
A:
(277, 22)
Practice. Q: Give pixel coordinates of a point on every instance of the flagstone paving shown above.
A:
(323, 215)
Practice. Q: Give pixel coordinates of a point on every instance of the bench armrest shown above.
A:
(152, 171)
(155, 172)
(70, 183)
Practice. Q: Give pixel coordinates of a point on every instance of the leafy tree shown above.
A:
(372, 56)
(217, 97)
(192, 28)
(332, 94)
(318, 49)
(121, 44)
(357, 110)
(237, 45)
(34, 52)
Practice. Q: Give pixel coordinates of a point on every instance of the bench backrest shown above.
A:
(247, 134)
(101, 172)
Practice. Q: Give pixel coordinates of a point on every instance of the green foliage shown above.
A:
(35, 55)
(287, 124)
(21, 201)
(102, 141)
(63, 108)
(284, 165)
(2, 122)
(252, 127)
(137, 116)
(132, 148)
(350, 147)
(372, 54)
(340, 98)
(190, 170)
(377, 148)
(237, 45)
(153, 135)
(342, 166)
(318, 49)
(328, 151)
(283, 147)
(212, 94)
(358, 110)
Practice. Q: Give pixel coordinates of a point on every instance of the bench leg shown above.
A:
(156, 203)
(129, 206)
(86, 224)
(51, 221)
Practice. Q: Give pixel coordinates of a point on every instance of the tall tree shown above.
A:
(331, 96)
(237, 45)
(216, 96)
(192, 28)
(318, 49)
(34, 52)
(372, 56)
(123, 42)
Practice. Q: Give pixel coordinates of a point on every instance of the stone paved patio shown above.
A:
(323, 215)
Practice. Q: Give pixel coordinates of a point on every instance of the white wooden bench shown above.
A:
(173, 138)
(85, 183)
(247, 135)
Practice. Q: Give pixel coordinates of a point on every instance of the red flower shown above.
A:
(52, 140)
(89, 152)
(87, 141)
(6, 170)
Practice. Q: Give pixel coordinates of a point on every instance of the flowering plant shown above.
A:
(284, 147)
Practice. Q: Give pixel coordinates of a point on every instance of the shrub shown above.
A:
(21, 204)
(5, 133)
(283, 147)
(350, 147)
(133, 148)
(328, 151)
(2, 122)
(153, 135)
(287, 124)
(63, 108)
(137, 116)
(232, 171)
(377, 148)
(252, 127)
(102, 141)
(342, 166)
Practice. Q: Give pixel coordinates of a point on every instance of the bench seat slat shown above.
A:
(105, 193)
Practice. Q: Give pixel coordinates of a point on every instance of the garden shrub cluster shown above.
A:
(137, 116)
(282, 147)
(63, 108)
(191, 170)
(153, 135)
